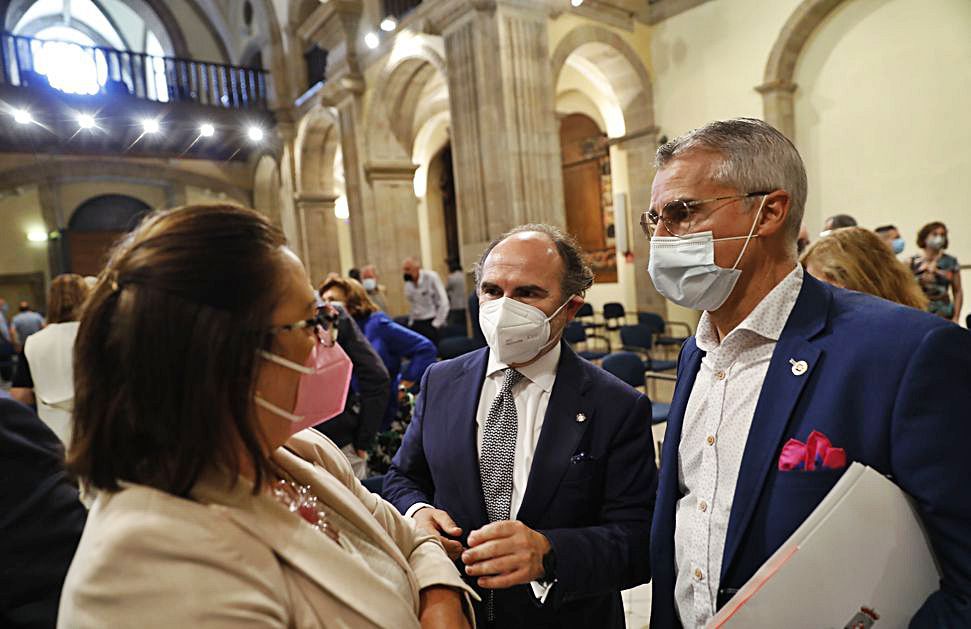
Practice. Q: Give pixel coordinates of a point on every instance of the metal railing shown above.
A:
(119, 72)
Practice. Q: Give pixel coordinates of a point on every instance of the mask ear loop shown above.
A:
(751, 231)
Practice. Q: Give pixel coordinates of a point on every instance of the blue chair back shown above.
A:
(653, 321)
(639, 336)
(586, 310)
(574, 333)
(627, 366)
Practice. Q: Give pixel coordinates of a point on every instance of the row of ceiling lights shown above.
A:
(372, 40)
(149, 125)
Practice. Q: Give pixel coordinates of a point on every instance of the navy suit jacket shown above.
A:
(889, 384)
(591, 486)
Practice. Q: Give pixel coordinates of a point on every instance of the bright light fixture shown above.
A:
(371, 40)
(255, 134)
(341, 210)
(37, 235)
(207, 130)
(22, 116)
(86, 121)
(150, 125)
(388, 24)
(576, 3)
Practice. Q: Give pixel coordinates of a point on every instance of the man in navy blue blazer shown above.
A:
(534, 467)
(782, 362)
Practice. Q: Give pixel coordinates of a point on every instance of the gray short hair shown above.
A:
(755, 156)
(577, 275)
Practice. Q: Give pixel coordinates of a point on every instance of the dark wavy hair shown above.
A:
(166, 355)
(925, 232)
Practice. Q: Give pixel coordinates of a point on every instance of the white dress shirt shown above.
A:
(532, 396)
(716, 426)
(428, 298)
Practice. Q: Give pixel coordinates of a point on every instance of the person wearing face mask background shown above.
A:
(938, 273)
(891, 235)
(204, 353)
(427, 297)
(534, 466)
(375, 291)
(787, 381)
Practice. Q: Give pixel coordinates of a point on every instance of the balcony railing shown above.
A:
(73, 68)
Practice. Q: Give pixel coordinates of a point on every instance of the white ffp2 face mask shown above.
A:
(684, 271)
(516, 332)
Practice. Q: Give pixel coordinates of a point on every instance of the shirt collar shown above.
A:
(767, 319)
(541, 373)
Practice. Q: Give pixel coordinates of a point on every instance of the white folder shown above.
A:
(861, 559)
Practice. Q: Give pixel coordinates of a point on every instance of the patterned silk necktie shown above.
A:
(499, 449)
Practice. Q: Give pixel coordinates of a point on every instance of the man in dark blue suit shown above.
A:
(783, 361)
(535, 467)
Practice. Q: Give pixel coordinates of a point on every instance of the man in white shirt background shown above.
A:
(427, 297)
(534, 467)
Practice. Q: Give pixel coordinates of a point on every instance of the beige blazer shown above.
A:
(232, 559)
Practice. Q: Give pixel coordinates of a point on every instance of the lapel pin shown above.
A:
(581, 417)
(799, 367)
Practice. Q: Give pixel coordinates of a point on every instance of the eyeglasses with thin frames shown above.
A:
(678, 216)
(322, 325)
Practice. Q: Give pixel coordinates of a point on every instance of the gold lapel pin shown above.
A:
(799, 367)
(581, 417)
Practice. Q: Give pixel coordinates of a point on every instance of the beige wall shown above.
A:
(21, 213)
(882, 118)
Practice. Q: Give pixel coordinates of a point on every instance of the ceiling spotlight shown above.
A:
(150, 125)
(576, 3)
(37, 235)
(371, 40)
(255, 134)
(22, 116)
(86, 121)
(388, 24)
(207, 130)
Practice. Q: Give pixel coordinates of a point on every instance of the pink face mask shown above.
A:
(322, 390)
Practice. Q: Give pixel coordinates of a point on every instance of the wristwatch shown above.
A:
(549, 567)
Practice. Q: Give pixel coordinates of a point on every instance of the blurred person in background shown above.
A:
(201, 359)
(427, 297)
(891, 235)
(23, 324)
(457, 295)
(938, 273)
(835, 222)
(45, 371)
(856, 258)
(375, 291)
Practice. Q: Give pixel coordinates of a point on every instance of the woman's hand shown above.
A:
(442, 607)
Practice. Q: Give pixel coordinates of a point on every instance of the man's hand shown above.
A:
(441, 607)
(506, 553)
(440, 523)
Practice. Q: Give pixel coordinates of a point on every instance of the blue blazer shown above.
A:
(889, 384)
(591, 487)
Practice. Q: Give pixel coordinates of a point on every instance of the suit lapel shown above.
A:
(559, 436)
(781, 390)
(309, 551)
(463, 404)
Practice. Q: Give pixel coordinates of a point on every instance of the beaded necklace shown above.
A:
(300, 500)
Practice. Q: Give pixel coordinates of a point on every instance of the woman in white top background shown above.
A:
(45, 373)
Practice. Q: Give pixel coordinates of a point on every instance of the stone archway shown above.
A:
(778, 87)
(266, 189)
(627, 85)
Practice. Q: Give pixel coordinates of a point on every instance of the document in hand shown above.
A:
(861, 559)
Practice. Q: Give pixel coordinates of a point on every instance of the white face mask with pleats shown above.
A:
(683, 268)
(516, 332)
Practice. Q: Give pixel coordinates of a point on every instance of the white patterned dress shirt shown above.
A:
(532, 397)
(428, 298)
(716, 426)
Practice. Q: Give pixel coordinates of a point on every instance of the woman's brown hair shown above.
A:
(166, 354)
(65, 298)
(357, 303)
(858, 259)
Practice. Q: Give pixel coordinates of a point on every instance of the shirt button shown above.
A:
(699, 574)
(702, 506)
(711, 440)
(720, 375)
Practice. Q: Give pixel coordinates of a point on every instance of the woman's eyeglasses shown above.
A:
(322, 325)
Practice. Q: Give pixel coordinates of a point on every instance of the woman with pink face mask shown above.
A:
(202, 361)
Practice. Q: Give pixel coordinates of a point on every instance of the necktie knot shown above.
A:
(510, 378)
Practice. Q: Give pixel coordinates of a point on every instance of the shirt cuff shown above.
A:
(541, 591)
(410, 513)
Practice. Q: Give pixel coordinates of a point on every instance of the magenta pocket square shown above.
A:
(817, 453)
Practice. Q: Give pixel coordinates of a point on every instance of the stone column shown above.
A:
(315, 214)
(504, 137)
(288, 211)
(777, 104)
(392, 225)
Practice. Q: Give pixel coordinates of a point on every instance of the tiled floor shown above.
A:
(637, 606)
